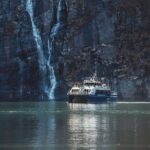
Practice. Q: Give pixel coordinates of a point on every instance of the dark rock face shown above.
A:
(115, 36)
(110, 36)
(17, 52)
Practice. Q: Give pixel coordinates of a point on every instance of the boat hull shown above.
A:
(91, 98)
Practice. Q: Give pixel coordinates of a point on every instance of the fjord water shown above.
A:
(63, 126)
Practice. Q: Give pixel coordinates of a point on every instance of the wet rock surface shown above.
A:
(111, 37)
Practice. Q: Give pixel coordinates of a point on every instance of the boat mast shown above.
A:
(95, 69)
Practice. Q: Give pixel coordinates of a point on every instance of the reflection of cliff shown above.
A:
(111, 35)
(17, 130)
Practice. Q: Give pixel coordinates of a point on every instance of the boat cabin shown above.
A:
(75, 90)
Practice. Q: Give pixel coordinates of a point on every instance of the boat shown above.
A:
(92, 90)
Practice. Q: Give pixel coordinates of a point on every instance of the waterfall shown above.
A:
(44, 63)
(38, 40)
(52, 78)
(36, 34)
(49, 90)
(21, 65)
(51, 41)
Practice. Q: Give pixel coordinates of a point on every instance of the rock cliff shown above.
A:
(73, 39)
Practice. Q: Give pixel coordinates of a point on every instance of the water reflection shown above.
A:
(82, 127)
(16, 130)
(62, 126)
(88, 129)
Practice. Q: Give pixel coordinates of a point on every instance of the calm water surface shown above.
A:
(63, 126)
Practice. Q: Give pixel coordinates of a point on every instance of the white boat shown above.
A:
(91, 91)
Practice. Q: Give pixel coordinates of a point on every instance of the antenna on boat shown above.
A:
(96, 70)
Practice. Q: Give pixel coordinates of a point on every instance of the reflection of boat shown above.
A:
(91, 90)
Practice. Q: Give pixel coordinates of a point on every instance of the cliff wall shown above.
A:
(110, 36)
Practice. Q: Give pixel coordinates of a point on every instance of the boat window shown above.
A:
(93, 84)
(102, 92)
(75, 90)
(86, 91)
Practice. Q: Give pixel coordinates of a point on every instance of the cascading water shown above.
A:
(57, 35)
(36, 34)
(52, 78)
(51, 41)
(38, 40)
(49, 90)
(37, 37)
(21, 80)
